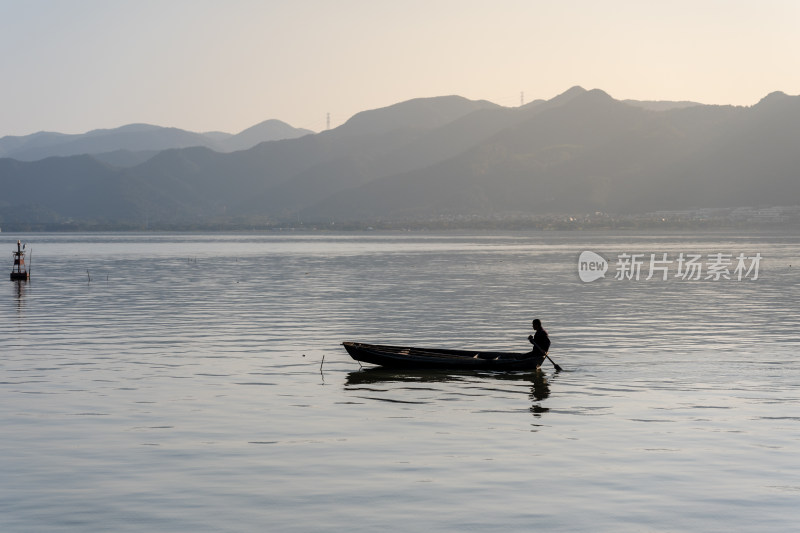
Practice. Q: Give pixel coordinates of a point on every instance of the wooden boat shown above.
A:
(18, 272)
(435, 358)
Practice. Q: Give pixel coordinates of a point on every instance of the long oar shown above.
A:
(557, 367)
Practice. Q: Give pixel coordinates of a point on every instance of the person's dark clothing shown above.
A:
(541, 340)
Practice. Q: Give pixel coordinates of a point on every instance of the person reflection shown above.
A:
(539, 391)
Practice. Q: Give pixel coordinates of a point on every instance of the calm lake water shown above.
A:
(196, 382)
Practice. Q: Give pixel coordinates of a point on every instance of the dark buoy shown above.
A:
(19, 271)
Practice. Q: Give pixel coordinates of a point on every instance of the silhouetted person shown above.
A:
(540, 340)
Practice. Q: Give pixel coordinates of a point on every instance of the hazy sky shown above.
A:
(202, 65)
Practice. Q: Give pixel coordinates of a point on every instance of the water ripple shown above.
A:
(197, 383)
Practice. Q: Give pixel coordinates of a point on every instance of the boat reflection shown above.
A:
(19, 290)
(540, 388)
(379, 374)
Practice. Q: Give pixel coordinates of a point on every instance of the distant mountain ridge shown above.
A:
(145, 139)
(580, 152)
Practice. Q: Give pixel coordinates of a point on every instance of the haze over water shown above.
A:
(196, 382)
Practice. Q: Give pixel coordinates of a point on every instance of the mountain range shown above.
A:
(432, 158)
(132, 144)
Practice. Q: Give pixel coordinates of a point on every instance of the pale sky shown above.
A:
(203, 65)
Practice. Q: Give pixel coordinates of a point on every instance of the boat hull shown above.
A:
(434, 358)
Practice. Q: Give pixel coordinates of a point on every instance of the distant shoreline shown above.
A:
(456, 223)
